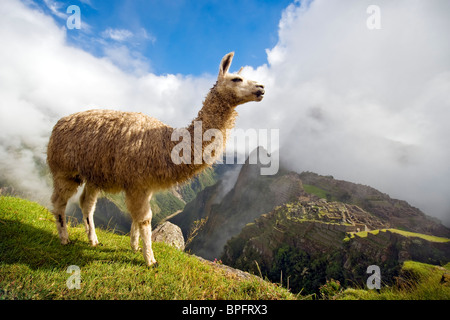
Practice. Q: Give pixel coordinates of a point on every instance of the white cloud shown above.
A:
(43, 79)
(369, 106)
(55, 8)
(119, 52)
(127, 60)
(117, 34)
(143, 34)
(123, 35)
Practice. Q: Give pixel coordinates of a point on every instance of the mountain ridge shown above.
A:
(315, 235)
(397, 213)
(241, 205)
(254, 195)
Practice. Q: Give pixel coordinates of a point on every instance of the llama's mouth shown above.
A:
(259, 95)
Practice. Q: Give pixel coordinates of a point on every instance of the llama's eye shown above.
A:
(236, 79)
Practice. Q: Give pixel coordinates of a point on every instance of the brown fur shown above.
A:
(114, 150)
(134, 149)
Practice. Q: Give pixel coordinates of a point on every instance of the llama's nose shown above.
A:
(259, 86)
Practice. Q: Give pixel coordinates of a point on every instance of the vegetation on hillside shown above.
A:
(397, 213)
(305, 244)
(427, 237)
(417, 281)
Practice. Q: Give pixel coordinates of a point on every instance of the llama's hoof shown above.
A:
(65, 242)
(154, 265)
(94, 243)
(137, 249)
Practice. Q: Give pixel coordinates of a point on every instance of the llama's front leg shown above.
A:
(88, 200)
(145, 229)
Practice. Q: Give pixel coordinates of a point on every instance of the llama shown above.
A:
(118, 151)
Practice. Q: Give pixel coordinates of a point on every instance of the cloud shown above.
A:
(124, 53)
(126, 59)
(122, 35)
(43, 78)
(143, 34)
(369, 106)
(117, 34)
(55, 7)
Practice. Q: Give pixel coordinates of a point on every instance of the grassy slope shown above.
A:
(421, 281)
(315, 190)
(33, 265)
(404, 233)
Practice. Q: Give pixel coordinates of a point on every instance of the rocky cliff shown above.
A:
(311, 241)
(219, 215)
(393, 212)
(225, 216)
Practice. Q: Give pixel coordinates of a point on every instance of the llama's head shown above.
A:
(235, 87)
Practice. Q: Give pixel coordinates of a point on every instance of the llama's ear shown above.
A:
(225, 64)
(240, 70)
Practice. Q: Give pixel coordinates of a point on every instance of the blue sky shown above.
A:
(173, 37)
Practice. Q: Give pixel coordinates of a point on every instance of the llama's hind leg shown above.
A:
(63, 189)
(134, 236)
(88, 199)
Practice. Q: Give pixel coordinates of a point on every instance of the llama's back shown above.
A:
(107, 148)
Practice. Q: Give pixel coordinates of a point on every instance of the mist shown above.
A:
(367, 106)
(43, 79)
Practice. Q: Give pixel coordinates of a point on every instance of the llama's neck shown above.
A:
(218, 114)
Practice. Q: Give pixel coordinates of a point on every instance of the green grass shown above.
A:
(427, 237)
(419, 235)
(315, 190)
(33, 265)
(420, 281)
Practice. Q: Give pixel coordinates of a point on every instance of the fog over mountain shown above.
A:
(368, 106)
